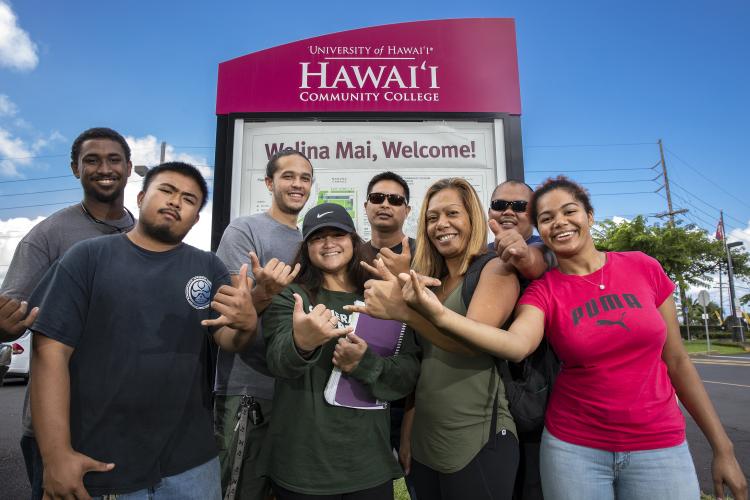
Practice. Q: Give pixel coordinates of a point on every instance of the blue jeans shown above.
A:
(572, 472)
(199, 483)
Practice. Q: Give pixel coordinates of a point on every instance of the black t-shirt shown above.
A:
(398, 404)
(138, 391)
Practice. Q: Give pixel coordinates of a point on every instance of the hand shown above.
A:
(348, 352)
(383, 297)
(274, 276)
(396, 263)
(63, 476)
(314, 329)
(13, 318)
(510, 246)
(235, 306)
(415, 292)
(726, 470)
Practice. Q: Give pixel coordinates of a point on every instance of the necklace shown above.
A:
(601, 277)
(111, 226)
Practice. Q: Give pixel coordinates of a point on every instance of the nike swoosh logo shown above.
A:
(324, 213)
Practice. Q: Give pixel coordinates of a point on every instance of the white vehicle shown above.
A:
(20, 360)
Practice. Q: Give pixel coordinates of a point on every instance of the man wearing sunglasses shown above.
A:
(515, 241)
(387, 208)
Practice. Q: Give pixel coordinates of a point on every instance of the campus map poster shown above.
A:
(345, 156)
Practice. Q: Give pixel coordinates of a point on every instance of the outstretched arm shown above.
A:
(693, 395)
(513, 344)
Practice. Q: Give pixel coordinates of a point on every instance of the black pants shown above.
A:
(489, 476)
(528, 479)
(382, 492)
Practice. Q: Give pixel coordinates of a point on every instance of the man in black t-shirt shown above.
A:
(387, 207)
(119, 386)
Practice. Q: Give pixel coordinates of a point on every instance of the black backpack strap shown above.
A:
(471, 278)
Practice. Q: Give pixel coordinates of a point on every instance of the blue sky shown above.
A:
(593, 74)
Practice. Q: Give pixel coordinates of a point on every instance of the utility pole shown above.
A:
(721, 291)
(730, 275)
(163, 154)
(671, 213)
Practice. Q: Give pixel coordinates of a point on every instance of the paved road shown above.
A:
(727, 380)
(15, 485)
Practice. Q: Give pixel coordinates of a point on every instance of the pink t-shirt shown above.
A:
(613, 392)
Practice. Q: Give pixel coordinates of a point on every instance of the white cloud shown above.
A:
(7, 107)
(146, 151)
(17, 51)
(11, 232)
(742, 235)
(13, 152)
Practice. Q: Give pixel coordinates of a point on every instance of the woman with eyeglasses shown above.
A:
(613, 428)
(463, 442)
(315, 449)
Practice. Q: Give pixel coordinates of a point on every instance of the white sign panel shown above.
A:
(345, 156)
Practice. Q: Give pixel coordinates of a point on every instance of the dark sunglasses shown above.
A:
(516, 206)
(378, 198)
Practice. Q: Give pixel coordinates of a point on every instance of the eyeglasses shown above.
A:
(516, 206)
(378, 198)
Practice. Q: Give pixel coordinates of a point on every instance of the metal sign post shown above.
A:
(704, 299)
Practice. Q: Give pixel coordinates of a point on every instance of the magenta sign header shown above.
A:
(455, 65)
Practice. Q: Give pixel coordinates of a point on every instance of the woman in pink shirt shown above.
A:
(613, 428)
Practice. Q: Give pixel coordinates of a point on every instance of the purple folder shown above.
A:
(384, 337)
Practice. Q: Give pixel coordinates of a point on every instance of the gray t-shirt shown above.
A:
(42, 247)
(246, 372)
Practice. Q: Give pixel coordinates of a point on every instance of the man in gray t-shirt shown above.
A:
(100, 158)
(268, 242)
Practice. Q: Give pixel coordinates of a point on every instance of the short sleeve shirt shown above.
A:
(613, 391)
(138, 390)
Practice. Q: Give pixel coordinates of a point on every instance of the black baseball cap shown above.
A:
(326, 215)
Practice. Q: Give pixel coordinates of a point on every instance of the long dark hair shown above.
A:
(310, 278)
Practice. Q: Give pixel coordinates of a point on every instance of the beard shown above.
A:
(281, 204)
(163, 233)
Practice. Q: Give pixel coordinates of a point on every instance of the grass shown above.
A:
(399, 490)
(697, 346)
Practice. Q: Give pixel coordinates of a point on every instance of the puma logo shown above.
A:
(318, 216)
(606, 322)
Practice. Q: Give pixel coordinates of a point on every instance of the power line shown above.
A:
(707, 178)
(592, 145)
(36, 179)
(618, 194)
(40, 192)
(615, 182)
(696, 197)
(591, 170)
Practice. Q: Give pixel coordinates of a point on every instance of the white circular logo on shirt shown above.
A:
(198, 292)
